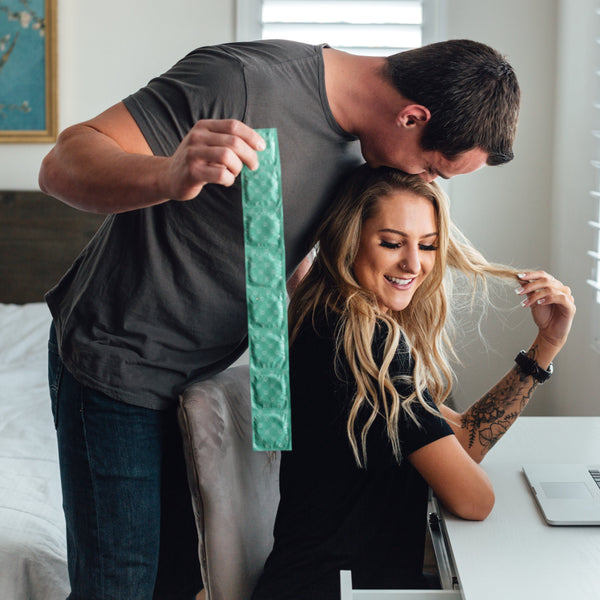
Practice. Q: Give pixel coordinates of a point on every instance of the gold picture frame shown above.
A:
(28, 71)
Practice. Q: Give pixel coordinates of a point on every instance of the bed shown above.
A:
(39, 237)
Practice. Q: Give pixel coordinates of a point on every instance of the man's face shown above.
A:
(404, 152)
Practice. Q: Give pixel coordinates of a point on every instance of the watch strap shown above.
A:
(529, 366)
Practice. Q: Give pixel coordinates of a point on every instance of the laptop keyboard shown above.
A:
(595, 473)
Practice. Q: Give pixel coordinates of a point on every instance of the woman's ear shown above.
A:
(413, 115)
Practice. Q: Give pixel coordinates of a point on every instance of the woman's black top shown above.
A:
(334, 515)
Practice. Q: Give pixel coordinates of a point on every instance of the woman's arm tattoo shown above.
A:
(489, 418)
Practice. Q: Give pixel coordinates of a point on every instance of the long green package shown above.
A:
(267, 300)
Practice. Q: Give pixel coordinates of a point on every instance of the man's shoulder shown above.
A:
(257, 52)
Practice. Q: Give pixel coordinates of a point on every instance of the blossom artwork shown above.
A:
(27, 103)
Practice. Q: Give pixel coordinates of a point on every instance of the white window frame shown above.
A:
(248, 20)
(249, 16)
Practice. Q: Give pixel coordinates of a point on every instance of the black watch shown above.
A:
(529, 366)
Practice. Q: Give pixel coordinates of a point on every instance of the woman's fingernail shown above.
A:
(519, 290)
(524, 302)
(541, 301)
(521, 275)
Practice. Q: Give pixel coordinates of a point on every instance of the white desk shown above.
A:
(513, 553)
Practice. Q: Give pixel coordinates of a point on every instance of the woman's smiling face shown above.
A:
(397, 249)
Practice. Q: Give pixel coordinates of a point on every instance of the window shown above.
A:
(374, 27)
(594, 253)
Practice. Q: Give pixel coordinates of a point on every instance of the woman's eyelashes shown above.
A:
(392, 245)
(396, 245)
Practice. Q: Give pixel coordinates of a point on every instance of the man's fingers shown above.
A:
(213, 151)
(228, 135)
(236, 129)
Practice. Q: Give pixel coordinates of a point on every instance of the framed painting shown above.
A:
(28, 102)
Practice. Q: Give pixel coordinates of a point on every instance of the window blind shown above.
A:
(594, 223)
(374, 27)
(594, 253)
(594, 281)
(378, 27)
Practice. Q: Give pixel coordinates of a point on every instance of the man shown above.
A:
(157, 299)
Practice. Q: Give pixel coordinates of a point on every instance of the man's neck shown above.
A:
(357, 89)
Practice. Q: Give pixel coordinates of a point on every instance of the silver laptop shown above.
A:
(566, 494)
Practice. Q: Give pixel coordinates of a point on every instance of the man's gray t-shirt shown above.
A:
(157, 298)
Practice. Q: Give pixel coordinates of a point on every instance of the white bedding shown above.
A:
(32, 537)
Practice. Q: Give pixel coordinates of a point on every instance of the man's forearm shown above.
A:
(90, 172)
(106, 165)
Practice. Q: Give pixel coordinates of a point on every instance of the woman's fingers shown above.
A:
(539, 287)
(552, 305)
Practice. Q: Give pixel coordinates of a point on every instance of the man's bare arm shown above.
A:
(105, 165)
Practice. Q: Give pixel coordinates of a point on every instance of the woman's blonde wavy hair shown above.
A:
(425, 323)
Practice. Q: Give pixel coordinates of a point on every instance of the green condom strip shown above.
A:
(267, 300)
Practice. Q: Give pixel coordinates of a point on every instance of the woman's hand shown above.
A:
(552, 306)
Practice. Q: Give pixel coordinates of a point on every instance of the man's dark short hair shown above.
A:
(470, 90)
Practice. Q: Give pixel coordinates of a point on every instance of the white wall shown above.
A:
(530, 212)
(108, 49)
(577, 389)
(526, 212)
(505, 211)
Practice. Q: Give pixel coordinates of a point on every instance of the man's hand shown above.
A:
(214, 151)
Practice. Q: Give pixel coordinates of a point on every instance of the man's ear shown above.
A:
(413, 115)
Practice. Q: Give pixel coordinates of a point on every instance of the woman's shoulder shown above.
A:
(320, 323)
(316, 340)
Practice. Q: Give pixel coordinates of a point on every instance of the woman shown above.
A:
(369, 367)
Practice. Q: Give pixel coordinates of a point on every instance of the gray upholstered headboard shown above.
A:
(39, 238)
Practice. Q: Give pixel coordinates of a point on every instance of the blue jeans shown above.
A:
(131, 533)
